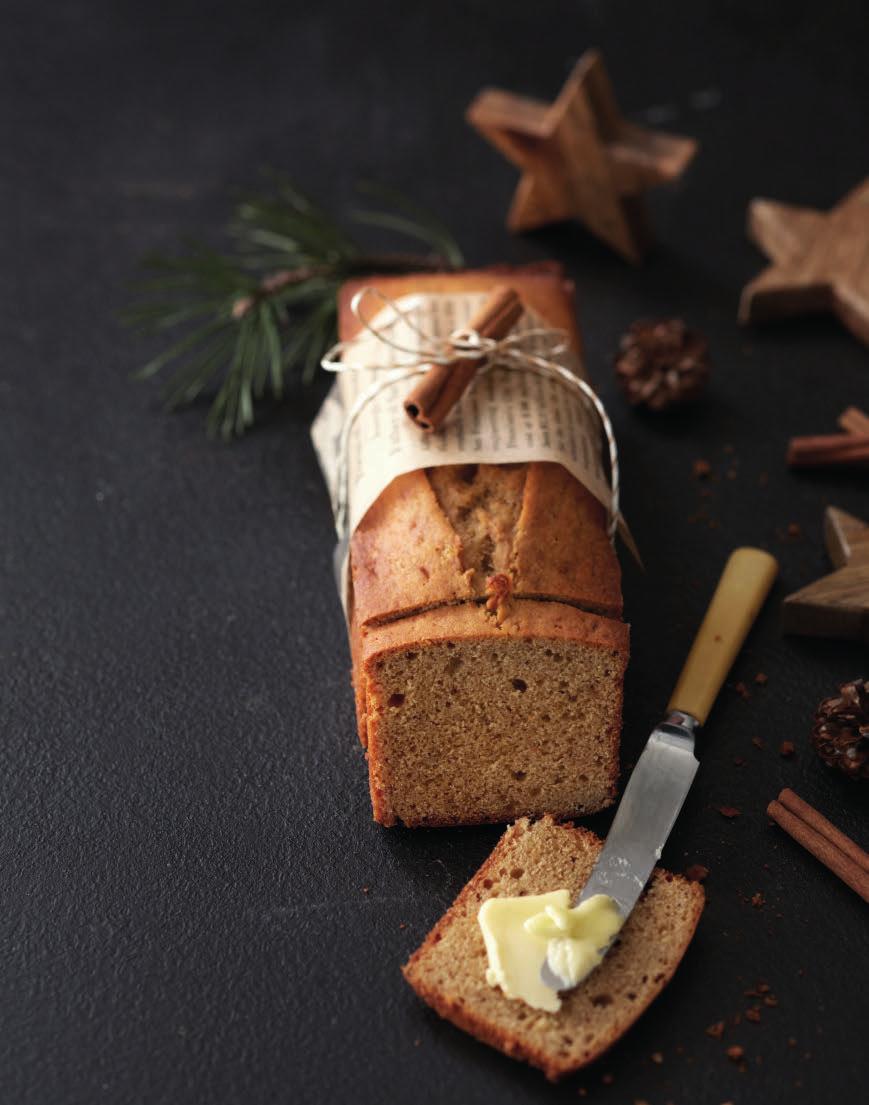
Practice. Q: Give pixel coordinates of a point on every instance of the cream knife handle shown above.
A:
(744, 584)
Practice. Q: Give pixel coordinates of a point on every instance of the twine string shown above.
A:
(533, 350)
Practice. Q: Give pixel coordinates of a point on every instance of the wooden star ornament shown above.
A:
(819, 262)
(837, 605)
(579, 158)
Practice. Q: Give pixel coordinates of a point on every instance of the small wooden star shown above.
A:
(818, 261)
(579, 158)
(836, 605)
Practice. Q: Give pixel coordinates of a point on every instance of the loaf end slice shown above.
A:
(448, 971)
(470, 720)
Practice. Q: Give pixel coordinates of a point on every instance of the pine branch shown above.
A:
(257, 319)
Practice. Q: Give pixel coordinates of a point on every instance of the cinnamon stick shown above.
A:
(792, 801)
(443, 385)
(854, 421)
(823, 840)
(829, 449)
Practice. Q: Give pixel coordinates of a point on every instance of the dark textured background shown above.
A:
(185, 828)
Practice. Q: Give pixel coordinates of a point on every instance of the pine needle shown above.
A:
(258, 319)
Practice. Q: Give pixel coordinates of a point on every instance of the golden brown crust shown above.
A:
(474, 1021)
(357, 679)
(561, 548)
(471, 621)
(541, 287)
(405, 556)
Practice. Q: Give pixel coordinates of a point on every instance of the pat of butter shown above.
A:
(520, 933)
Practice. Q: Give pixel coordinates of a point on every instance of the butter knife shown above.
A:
(664, 772)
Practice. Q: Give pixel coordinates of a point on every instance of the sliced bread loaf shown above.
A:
(486, 623)
(449, 970)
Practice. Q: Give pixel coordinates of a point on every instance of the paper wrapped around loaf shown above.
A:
(485, 624)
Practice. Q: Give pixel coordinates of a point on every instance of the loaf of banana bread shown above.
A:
(486, 625)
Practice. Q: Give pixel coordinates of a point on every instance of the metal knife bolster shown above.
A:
(649, 807)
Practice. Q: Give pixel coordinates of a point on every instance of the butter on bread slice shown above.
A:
(449, 970)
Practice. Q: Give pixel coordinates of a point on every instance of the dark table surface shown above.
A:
(186, 829)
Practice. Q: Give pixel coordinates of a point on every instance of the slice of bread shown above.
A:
(471, 719)
(449, 970)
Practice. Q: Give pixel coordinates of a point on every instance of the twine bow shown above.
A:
(533, 350)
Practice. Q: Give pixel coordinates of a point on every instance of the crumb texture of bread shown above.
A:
(482, 503)
(449, 970)
(485, 624)
(469, 720)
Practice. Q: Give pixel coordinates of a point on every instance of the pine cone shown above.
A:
(662, 363)
(841, 732)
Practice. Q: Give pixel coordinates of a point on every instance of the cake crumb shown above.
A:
(753, 1014)
(761, 679)
(794, 529)
(657, 1057)
(743, 691)
(716, 1031)
(758, 900)
(728, 811)
(786, 749)
(696, 872)
(701, 468)
(735, 1052)
(499, 590)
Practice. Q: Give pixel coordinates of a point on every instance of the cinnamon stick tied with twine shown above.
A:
(831, 846)
(444, 384)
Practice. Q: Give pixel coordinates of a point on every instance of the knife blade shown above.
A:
(666, 768)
